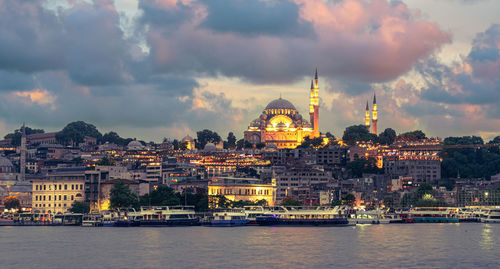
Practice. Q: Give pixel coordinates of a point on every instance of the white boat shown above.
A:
(168, 216)
(303, 216)
(229, 217)
(92, 220)
(373, 217)
(434, 214)
(491, 216)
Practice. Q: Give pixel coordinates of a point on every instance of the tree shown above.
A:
(387, 137)
(289, 201)
(464, 140)
(11, 202)
(162, 196)
(113, 137)
(424, 189)
(17, 134)
(260, 145)
(361, 165)
(80, 207)
(248, 145)
(122, 196)
(206, 136)
(349, 199)
(74, 133)
(495, 140)
(231, 141)
(330, 136)
(240, 144)
(413, 135)
(311, 143)
(105, 161)
(355, 133)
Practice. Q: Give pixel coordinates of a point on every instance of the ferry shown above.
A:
(109, 218)
(434, 214)
(127, 217)
(491, 216)
(168, 216)
(229, 218)
(94, 219)
(252, 212)
(68, 219)
(303, 216)
(374, 217)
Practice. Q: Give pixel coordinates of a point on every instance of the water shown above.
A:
(369, 246)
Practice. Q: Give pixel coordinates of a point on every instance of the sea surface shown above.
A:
(364, 246)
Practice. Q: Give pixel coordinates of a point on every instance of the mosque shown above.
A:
(281, 125)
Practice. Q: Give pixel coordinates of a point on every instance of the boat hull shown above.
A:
(435, 220)
(168, 223)
(228, 223)
(273, 221)
(127, 223)
(490, 220)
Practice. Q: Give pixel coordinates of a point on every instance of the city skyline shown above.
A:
(123, 66)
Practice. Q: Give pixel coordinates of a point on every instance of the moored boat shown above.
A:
(434, 214)
(228, 218)
(303, 216)
(491, 216)
(168, 216)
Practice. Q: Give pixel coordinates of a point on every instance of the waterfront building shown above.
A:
(57, 191)
(236, 189)
(137, 187)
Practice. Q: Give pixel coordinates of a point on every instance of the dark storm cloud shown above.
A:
(256, 18)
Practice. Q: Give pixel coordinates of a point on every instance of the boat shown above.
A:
(93, 219)
(252, 212)
(491, 216)
(374, 217)
(303, 216)
(229, 218)
(68, 219)
(469, 215)
(127, 217)
(434, 214)
(109, 218)
(168, 216)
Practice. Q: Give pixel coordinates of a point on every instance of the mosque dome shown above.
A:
(210, 147)
(135, 145)
(280, 104)
(187, 138)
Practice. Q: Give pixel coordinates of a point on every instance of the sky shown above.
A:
(151, 69)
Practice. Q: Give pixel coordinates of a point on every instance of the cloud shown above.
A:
(476, 80)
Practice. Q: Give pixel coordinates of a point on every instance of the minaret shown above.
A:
(374, 114)
(314, 105)
(367, 117)
(22, 165)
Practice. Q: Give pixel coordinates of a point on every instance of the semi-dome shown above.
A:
(280, 104)
(4, 162)
(6, 165)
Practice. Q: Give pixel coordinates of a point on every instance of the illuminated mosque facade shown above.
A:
(280, 123)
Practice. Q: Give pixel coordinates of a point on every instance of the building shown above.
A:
(236, 189)
(189, 141)
(57, 192)
(281, 124)
(374, 118)
(299, 182)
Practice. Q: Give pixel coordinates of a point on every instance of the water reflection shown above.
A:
(364, 246)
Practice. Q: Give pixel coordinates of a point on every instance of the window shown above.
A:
(65, 198)
(60, 197)
(72, 187)
(44, 197)
(65, 186)
(43, 186)
(49, 197)
(36, 198)
(81, 186)
(60, 186)
(72, 198)
(36, 187)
